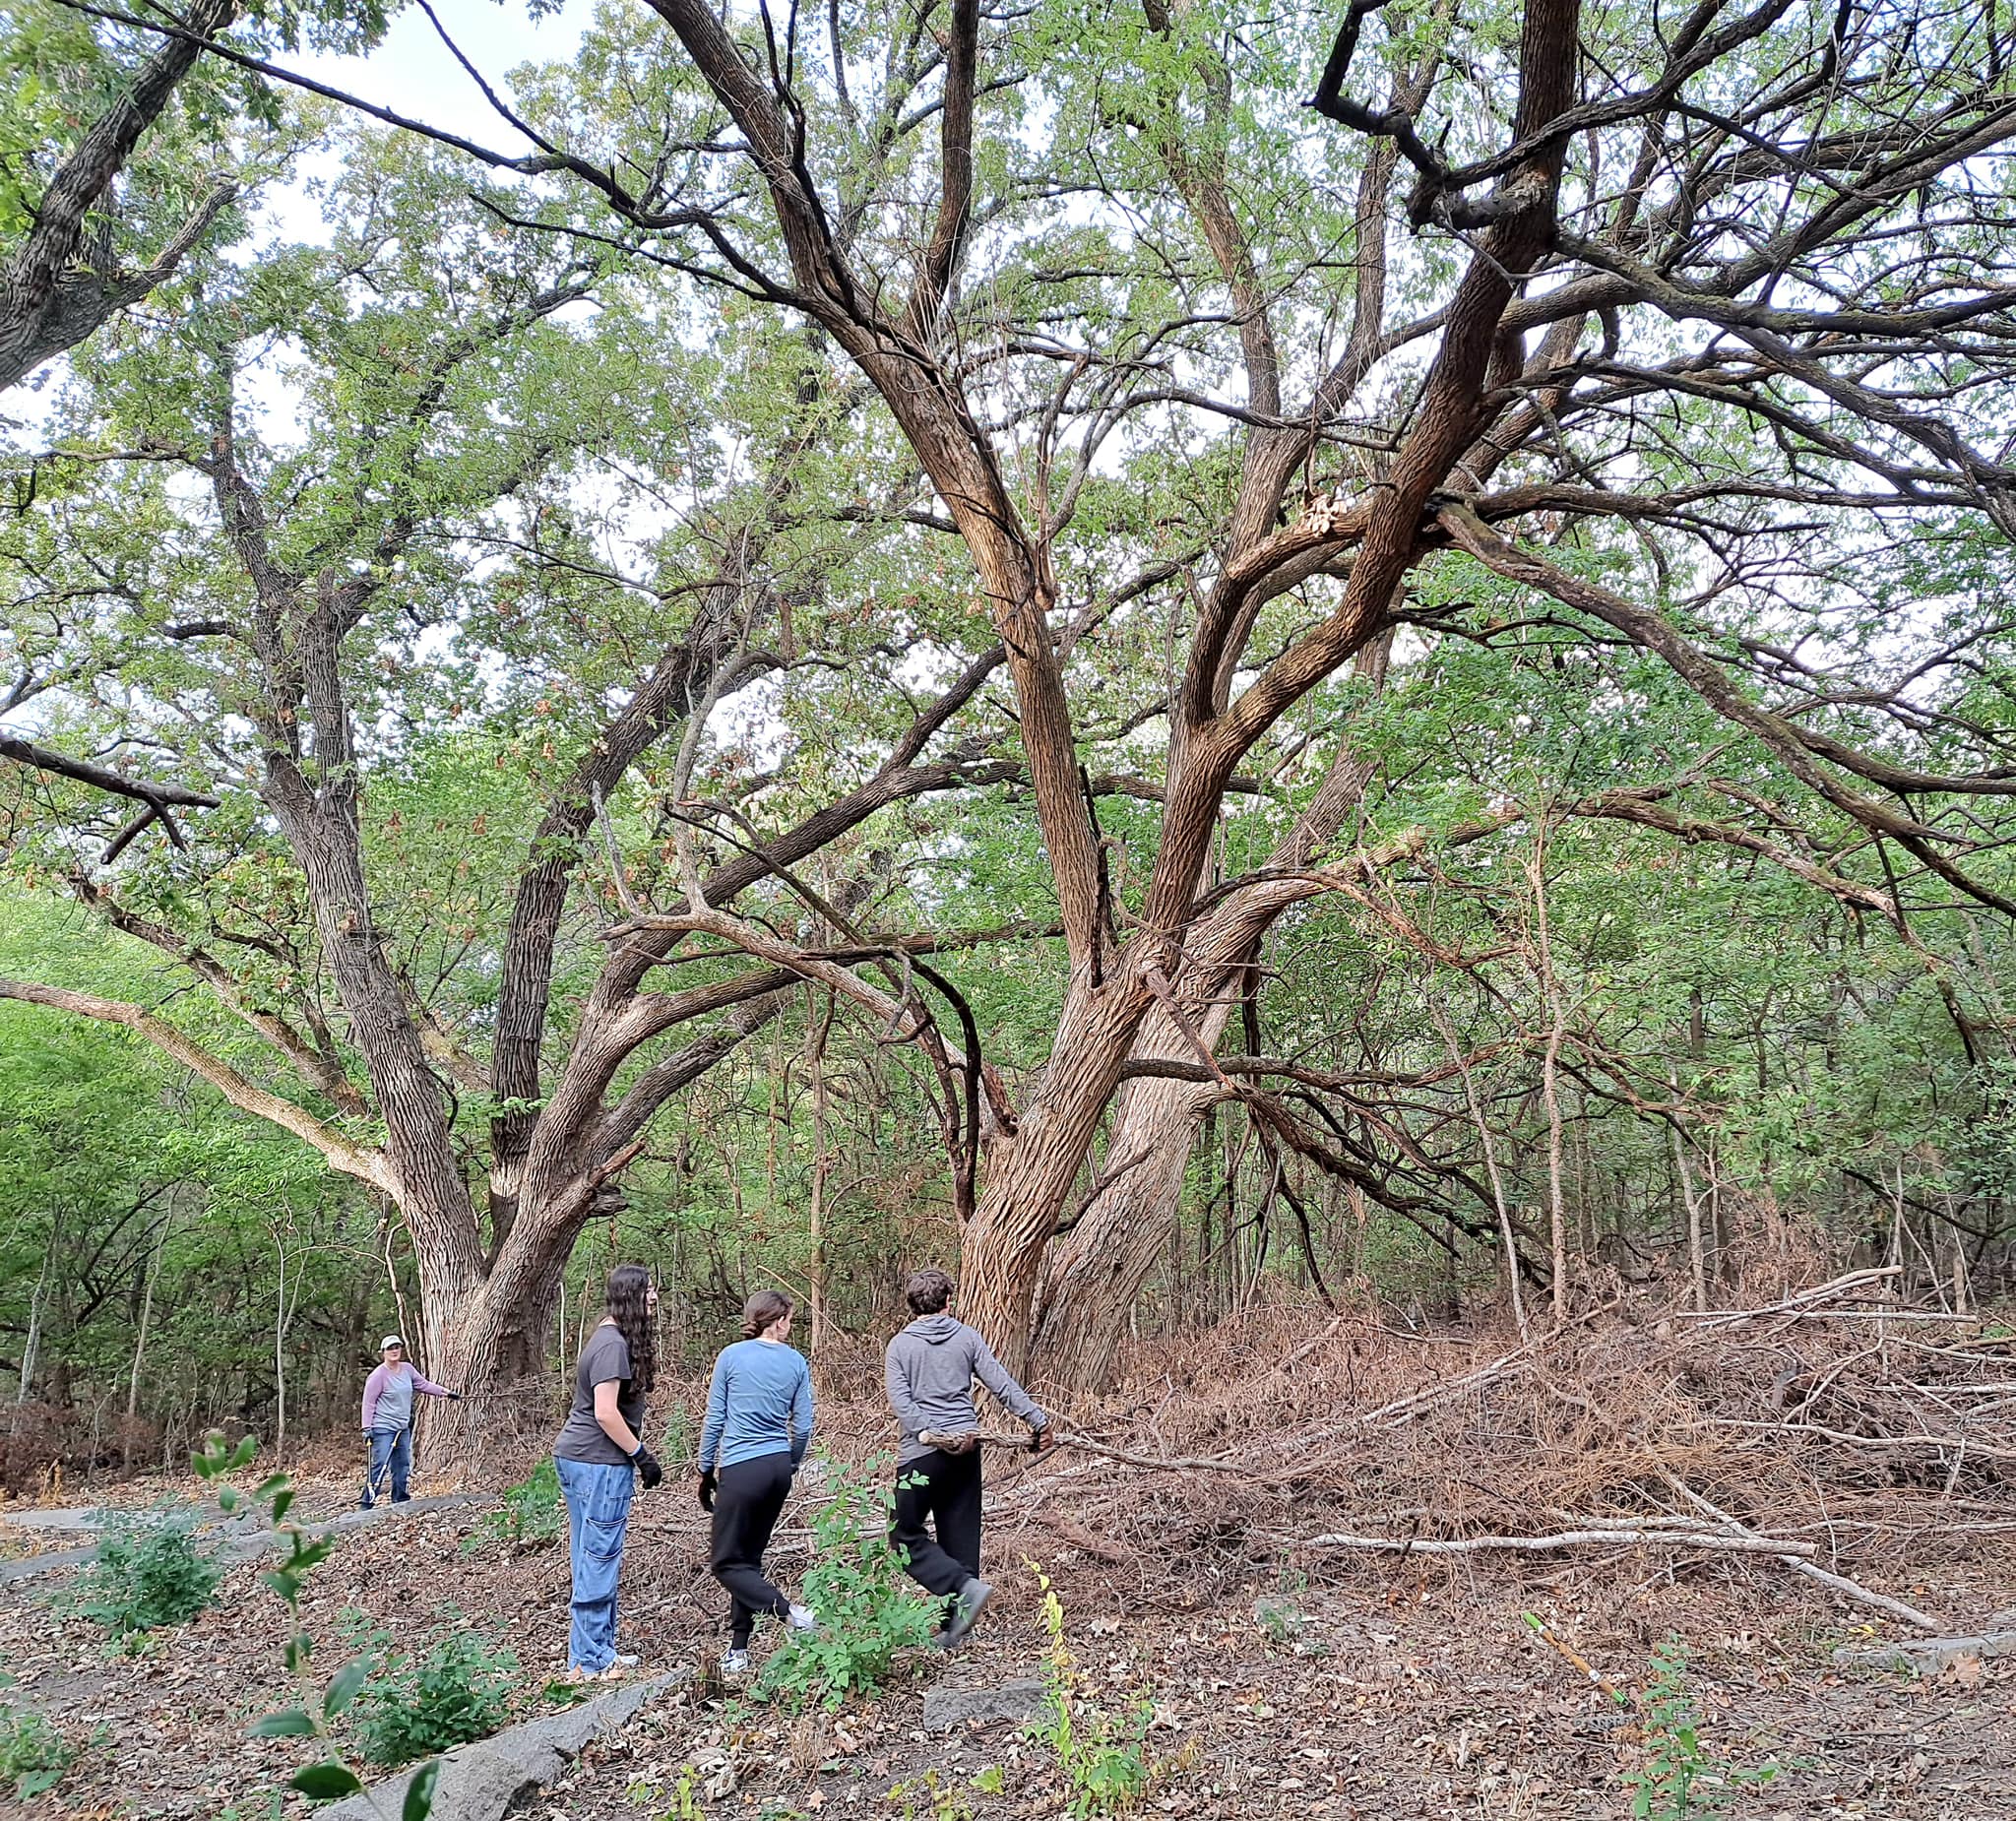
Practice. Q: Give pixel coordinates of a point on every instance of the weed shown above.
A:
(330, 1777)
(1679, 1778)
(867, 1610)
(1280, 1621)
(990, 1780)
(931, 1798)
(459, 1691)
(146, 1574)
(685, 1804)
(34, 1755)
(531, 1513)
(1103, 1757)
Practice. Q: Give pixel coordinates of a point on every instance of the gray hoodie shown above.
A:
(929, 1371)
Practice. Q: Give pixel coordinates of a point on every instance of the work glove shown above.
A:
(648, 1468)
(707, 1486)
(1040, 1439)
(454, 1397)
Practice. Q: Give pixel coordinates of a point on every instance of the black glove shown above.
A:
(707, 1486)
(648, 1468)
(454, 1397)
(1040, 1439)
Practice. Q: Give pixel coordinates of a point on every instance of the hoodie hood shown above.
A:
(935, 1329)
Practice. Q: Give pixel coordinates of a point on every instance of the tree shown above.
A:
(65, 272)
(1087, 308)
(1598, 270)
(315, 902)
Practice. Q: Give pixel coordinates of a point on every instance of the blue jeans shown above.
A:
(597, 1517)
(391, 1448)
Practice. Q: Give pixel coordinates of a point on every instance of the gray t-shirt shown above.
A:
(606, 1357)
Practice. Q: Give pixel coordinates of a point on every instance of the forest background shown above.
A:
(796, 645)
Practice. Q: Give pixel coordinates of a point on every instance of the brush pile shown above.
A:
(1829, 1432)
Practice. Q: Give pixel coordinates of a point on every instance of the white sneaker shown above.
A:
(803, 1618)
(621, 1662)
(734, 1664)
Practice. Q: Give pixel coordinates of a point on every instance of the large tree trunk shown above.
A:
(1030, 1175)
(1096, 1270)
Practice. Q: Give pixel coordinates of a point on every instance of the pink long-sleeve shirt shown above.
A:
(389, 1396)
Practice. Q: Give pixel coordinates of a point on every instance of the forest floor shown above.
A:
(1274, 1679)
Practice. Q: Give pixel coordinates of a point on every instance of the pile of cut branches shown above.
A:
(1824, 1434)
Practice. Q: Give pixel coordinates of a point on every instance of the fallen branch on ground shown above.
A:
(1839, 1583)
(1888, 1444)
(1746, 1544)
(1797, 1302)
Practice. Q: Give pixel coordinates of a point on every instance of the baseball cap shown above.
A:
(391, 1340)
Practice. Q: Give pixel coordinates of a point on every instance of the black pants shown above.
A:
(747, 1498)
(947, 1501)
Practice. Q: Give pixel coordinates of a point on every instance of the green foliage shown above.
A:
(1280, 1621)
(1679, 1777)
(147, 1572)
(532, 1512)
(34, 1755)
(685, 1803)
(1102, 1756)
(460, 1690)
(868, 1608)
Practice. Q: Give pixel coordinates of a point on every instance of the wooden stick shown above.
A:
(1746, 1544)
(1069, 1438)
(1892, 1444)
(1839, 1583)
(1568, 1652)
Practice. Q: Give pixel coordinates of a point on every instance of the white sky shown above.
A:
(413, 71)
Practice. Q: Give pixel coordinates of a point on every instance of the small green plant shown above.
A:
(1103, 1757)
(148, 1573)
(930, 1799)
(329, 1778)
(461, 1690)
(648, 1791)
(531, 1513)
(867, 1608)
(1280, 1621)
(1679, 1778)
(34, 1755)
(989, 1779)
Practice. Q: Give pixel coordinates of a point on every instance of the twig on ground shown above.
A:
(1841, 1584)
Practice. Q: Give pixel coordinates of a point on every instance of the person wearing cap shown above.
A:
(389, 1418)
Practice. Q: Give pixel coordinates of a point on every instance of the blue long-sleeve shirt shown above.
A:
(760, 1403)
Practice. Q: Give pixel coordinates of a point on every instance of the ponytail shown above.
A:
(764, 1310)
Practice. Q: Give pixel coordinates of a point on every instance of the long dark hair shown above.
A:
(629, 1304)
(764, 1310)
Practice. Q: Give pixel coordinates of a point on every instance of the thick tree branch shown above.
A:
(359, 1160)
(52, 295)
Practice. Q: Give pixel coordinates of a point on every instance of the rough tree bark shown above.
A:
(63, 281)
(1096, 1270)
